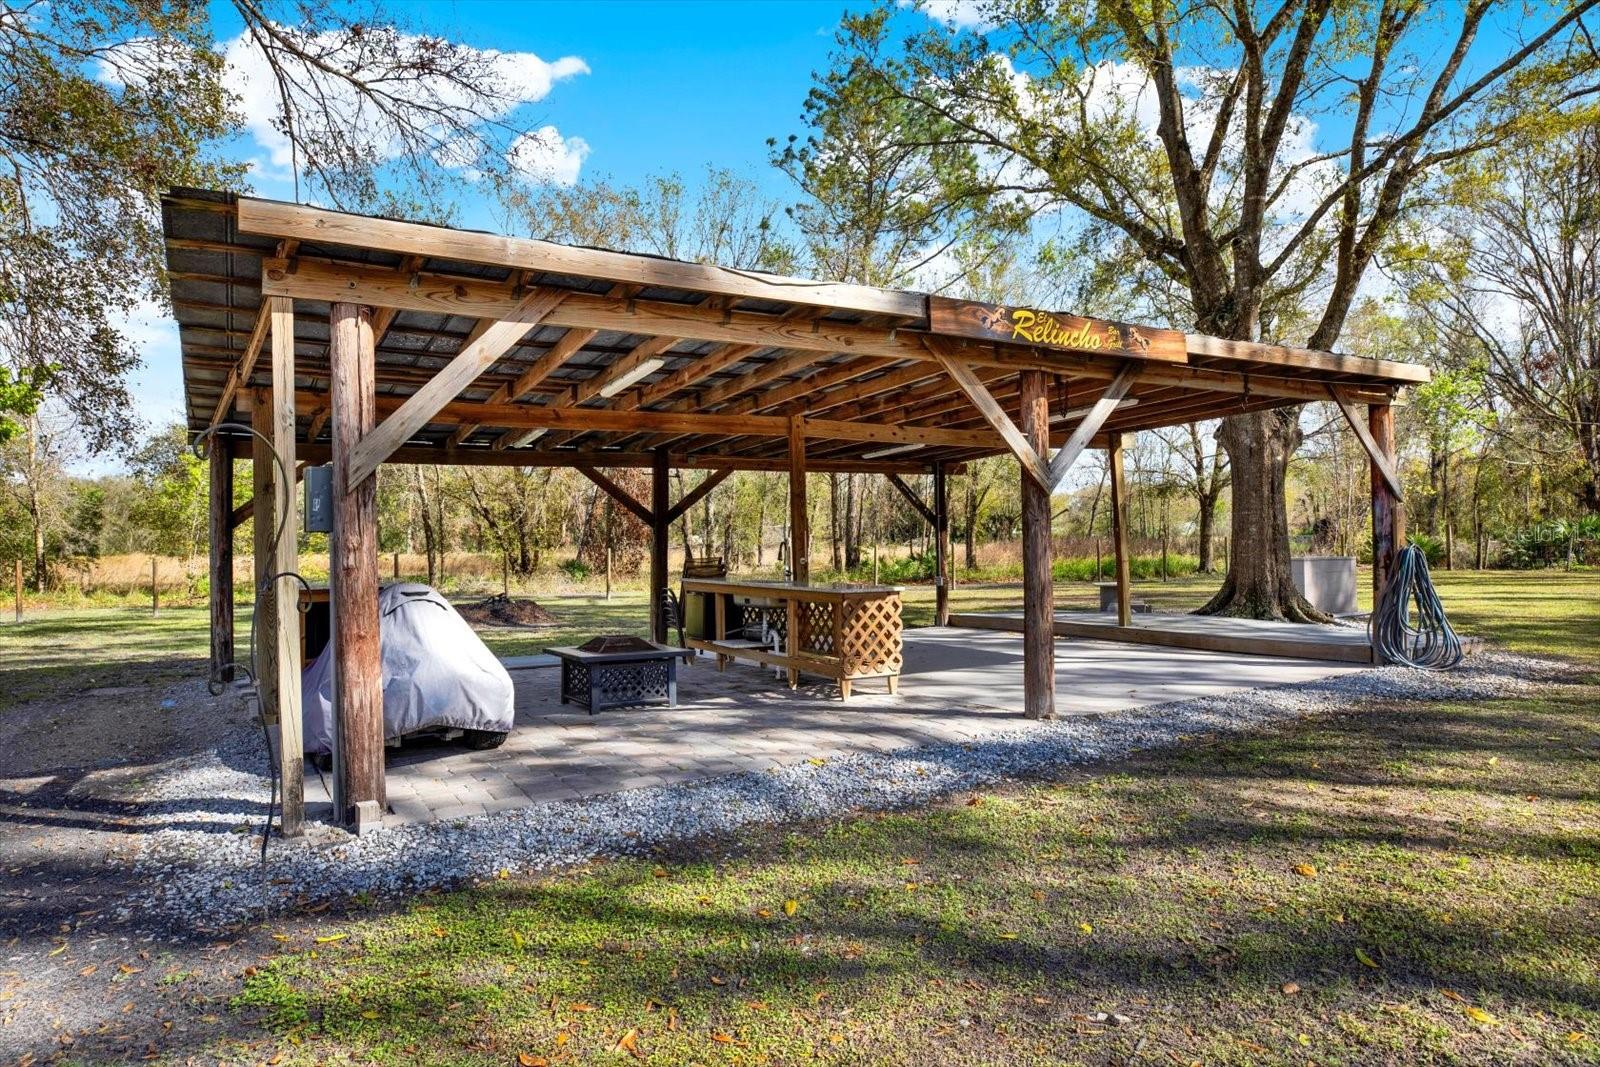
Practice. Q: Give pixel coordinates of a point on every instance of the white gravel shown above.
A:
(204, 871)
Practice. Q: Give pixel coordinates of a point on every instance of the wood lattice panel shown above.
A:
(816, 628)
(872, 637)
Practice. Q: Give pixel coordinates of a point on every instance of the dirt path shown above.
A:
(80, 972)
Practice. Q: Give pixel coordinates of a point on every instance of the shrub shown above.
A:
(1545, 544)
(1432, 547)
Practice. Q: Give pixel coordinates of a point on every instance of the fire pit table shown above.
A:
(615, 672)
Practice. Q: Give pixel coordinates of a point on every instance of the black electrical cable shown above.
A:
(1430, 643)
(214, 683)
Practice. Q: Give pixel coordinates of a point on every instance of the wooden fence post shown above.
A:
(19, 589)
(155, 595)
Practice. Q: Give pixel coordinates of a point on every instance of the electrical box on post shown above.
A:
(319, 499)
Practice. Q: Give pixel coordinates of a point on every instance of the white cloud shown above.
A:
(545, 156)
(523, 78)
(959, 14)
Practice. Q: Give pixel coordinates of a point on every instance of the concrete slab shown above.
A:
(1259, 637)
(958, 684)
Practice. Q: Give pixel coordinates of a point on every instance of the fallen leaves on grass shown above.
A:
(1305, 870)
(331, 938)
(1086, 928)
(579, 1005)
(1478, 1015)
(1367, 960)
(629, 1043)
(1289, 989)
(791, 906)
(527, 1059)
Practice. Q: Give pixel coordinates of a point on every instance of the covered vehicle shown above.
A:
(437, 675)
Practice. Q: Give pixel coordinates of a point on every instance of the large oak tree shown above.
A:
(1256, 156)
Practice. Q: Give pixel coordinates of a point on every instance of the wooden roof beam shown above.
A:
(539, 416)
(443, 294)
(529, 457)
(321, 226)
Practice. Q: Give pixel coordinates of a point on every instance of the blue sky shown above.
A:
(670, 87)
(633, 89)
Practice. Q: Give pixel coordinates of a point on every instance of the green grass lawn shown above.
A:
(55, 652)
(1398, 884)
(1404, 885)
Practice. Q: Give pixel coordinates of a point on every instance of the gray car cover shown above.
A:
(436, 672)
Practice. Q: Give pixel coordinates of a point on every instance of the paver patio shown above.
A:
(958, 684)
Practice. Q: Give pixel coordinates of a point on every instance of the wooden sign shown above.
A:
(1051, 329)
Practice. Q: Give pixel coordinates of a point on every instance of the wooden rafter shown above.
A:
(420, 407)
(538, 416)
(461, 296)
(240, 372)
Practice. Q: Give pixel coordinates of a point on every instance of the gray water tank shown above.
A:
(1329, 582)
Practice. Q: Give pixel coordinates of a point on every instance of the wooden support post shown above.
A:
(1388, 513)
(941, 548)
(1119, 531)
(285, 539)
(155, 594)
(220, 512)
(18, 578)
(658, 543)
(397, 566)
(353, 568)
(268, 500)
(1038, 592)
(799, 521)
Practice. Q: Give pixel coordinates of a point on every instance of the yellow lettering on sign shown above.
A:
(1042, 328)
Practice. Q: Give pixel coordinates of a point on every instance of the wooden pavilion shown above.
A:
(360, 341)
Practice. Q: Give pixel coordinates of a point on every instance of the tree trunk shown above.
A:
(969, 539)
(761, 523)
(852, 540)
(1208, 522)
(1258, 584)
(833, 522)
(428, 542)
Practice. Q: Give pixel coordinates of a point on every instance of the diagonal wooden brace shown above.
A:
(473, 359)
(991, 411)
(1358, 423)
(1068, 454)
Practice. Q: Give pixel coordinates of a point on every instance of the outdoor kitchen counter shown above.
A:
(840, 632)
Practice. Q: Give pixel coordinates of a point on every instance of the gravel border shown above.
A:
(204, 873)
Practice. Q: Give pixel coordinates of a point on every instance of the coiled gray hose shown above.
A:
(1430, 644)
